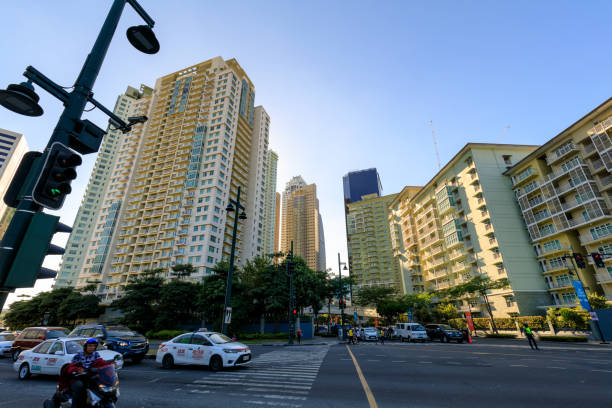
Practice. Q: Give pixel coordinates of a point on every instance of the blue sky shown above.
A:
(348, 84)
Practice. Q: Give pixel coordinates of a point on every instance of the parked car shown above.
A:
(369, 334)
(444, 333)
(410, 332)
(6, 342)
(50, 356)
(203, 348)
(31, 337)
(121, 339)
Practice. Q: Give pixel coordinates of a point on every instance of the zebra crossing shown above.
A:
(279, 378)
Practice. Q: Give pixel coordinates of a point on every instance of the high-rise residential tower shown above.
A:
(270, 215)
(302, 224)
(564, 190)
(96, 193)
(12, 148)
(204, 139)
(463, 223)
(356, 184)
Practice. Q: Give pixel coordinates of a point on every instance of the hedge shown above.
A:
(570, 339)
(164, 334)
(508, 323)
(266, 336)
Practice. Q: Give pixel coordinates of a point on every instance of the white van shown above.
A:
(410, 332)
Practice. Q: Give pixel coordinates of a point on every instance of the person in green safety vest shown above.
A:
(530, 337)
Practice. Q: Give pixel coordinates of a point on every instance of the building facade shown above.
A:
(13, 147)
(93, 200)
(564, 190)
(270, 214)
(370, 253)
(165, 204)
(357, 184)
(464, 223)
(302, 223)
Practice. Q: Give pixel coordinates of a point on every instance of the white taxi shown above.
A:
(50, 356)
(203, 348)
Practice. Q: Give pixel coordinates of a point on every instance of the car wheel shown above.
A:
(15, 354)
(24, 372)
(216, 363)
(402, 339)
(167, 362)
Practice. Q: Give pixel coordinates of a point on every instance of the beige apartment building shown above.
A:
(564, 190)
(302, 223)
(370, 251)
(464, 223)
(13, 147)
(169, 187)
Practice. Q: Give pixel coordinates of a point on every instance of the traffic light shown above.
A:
(579, 260)
(597, 259)
(35, 245)
(294, 312)
(53, 184)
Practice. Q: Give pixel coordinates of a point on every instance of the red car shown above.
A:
(31, 337)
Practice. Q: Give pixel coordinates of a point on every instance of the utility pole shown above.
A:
(290, 265)
(43, 179)
(341, 296)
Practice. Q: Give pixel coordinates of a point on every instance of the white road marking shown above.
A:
(155, 380)
(399, 361)
(425, 362)
(373, 360)
(272, 403)
(603, 371)
(518, 365)
(284, 391)
(257, 384)
(289, 397)
(558, 368)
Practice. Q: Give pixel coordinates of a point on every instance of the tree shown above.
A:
(373, 295)
(446, 311)
(480, 285)
(390, 310)
(139, 303)
(176, 304)
(598, 302)
(182, 270)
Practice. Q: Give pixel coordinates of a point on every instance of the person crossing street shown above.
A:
(530, 337)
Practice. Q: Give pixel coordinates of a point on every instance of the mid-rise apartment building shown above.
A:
(357, 184)
(302, 223)
(464, 223)
(172, 181)
(564, 190)
(13, 147)
(270, 213)
(93, 200)
(370, 253)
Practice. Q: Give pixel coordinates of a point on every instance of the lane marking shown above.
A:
(155, 380)
(289, 397)
(558, 368)
(399, 361)
(364, 383)
(257, 384)
(603, 371)
(285, 391)
(518, 365)
(425, 362)
(272, 403)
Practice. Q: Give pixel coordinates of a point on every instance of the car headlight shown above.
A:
(123, 344)
(230, 350)
(105, 388)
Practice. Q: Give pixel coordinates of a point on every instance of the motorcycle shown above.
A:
(101, 386)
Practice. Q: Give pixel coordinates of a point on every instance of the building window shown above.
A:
(601, 231)
(507, 159)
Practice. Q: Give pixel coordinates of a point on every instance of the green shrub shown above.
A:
(505, 323)
(574, 339)
(534, 322)
(481, 323)
(458, 323)
(164, 334)
(500, 336)
(569, 318)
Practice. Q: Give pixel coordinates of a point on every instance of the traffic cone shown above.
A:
(469, 337)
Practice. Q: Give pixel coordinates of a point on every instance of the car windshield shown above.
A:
(74, 346)
(446, 327)
(54, 334)
(7, 337)
(418, 327)
(219, 338)
(118, 331)
(370, 330)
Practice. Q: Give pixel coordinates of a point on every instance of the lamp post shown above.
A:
(70, 130)
(341, 295)
(227, 313)
(292, 311)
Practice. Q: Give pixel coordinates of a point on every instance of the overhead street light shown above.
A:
(143, 39)
(21, 98)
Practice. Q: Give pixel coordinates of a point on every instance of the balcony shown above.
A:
(603, 277)
(560, 285)
(554, 157)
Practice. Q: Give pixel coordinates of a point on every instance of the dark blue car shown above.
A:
(121, 339)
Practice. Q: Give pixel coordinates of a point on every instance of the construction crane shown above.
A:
(433, 135)
(502, 132)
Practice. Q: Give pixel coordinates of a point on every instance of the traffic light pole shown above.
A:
(290, 272)
(74, 103)
(344, 338)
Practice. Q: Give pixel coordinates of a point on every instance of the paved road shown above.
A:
(484, 374)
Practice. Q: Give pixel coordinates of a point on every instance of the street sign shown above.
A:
(409, 315)
(582, 296)
(355, 316)
(227, 319)
(594, 316)
(470, 322)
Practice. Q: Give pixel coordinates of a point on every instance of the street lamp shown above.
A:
(227, 315)
(341, 299)
(71, 132)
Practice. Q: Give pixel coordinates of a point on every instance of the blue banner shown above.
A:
(582, 296)
(355, 316)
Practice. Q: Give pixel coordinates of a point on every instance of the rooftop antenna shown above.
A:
(433, 135)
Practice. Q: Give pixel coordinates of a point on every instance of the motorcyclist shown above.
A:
(81, 362)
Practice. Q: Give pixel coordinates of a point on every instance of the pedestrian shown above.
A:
(382, 336)
(356, 334)
(350, 336)
(299, 336)
(530, 337)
